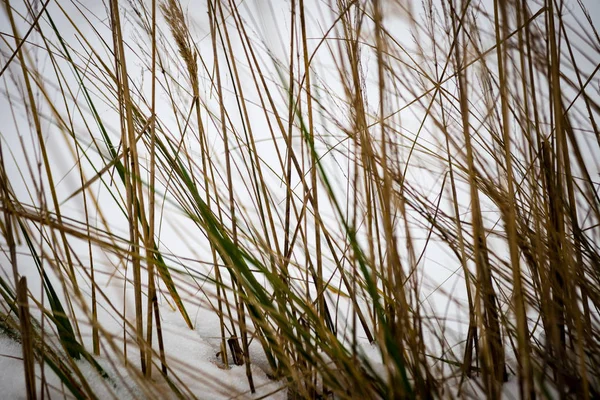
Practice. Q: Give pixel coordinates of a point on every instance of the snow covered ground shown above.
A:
(191, 354)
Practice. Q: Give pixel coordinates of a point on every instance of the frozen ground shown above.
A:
(192, 354)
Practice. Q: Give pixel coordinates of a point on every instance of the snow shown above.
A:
(192, 354)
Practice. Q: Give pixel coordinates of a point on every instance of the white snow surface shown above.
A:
(191, 353)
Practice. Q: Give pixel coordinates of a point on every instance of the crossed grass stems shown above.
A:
(337, 214)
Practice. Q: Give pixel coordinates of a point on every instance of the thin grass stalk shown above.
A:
(318, 279)
(471, 340)
(554, 162)
(578, 236)
(287, 244)
(94, 316)
(300, 170)
(263, 198)
(7, 226)
(313, 171)
(258, 182)
(576, 327)
(26, 339)
(397, 307)
(174, 15)
(239, 305)
(508, 210)
(539, 145)
(149, 243)
(492, 351)
(94, 320)
(46, 163)
(134, 195)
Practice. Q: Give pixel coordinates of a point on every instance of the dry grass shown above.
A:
(422, 177)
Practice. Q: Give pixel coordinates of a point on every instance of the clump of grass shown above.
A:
(390, 200)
